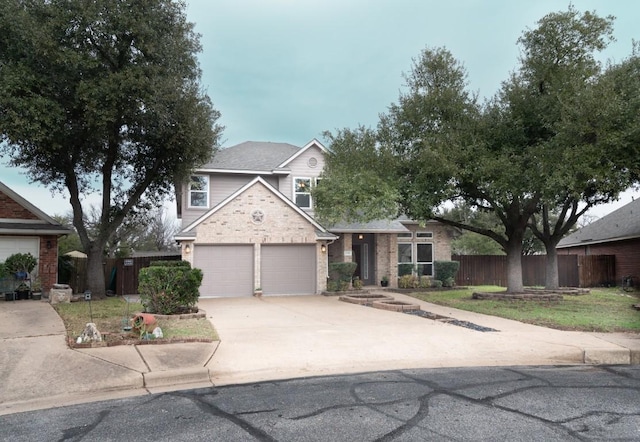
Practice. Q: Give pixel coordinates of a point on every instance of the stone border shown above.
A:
(200, 314)
(395, 306)
(74, 345)
(575, 291)
(364, 298)
(502, 296)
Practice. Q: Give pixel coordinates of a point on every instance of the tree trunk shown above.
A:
(514, 267)
(95, 272)
(552, 278)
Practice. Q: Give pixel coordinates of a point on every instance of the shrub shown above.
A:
(172, 263)
(169, 289)
(408, 282)
(341, 273)
(425, 282)
(449, 282)
(357, 283)
(436, 283)
(21, 263)
(4, 272)
(446, 270)
(332, 286)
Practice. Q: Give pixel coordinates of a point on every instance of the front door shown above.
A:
(362, 246)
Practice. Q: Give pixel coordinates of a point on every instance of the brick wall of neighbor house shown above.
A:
(48, 262)
(11, 210)
(627, 253)
(233, 224)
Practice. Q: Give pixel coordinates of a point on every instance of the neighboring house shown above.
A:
(248, 222)
(26, 229)
(617, 233)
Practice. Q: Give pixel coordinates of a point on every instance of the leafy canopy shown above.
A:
(103, 96)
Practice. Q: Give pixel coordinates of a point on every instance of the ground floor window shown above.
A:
(415, 258)
(424, 259)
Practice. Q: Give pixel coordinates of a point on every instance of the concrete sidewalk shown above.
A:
(273, 338)
(38, 370)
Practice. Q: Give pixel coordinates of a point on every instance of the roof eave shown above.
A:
(596, 241)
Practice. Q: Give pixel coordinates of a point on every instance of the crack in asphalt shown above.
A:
(566, 403)
(206, 406)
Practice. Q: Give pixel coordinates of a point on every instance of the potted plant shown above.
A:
(21, 264)
(22, 291)
(257, 292)
(36, 289)
(384, 282)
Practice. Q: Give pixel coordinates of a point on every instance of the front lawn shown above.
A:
(603, 310)
(111, 315)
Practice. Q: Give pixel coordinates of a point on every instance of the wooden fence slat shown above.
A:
(573, 270)
(126, 273)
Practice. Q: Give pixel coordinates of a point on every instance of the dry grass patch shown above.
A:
(111, 315)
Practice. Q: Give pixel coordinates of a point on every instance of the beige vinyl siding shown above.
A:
(300, 169)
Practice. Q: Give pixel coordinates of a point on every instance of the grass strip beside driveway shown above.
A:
(602, 310)
(111, 315)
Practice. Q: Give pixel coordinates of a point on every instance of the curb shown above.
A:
(608, 356)
(191, 375)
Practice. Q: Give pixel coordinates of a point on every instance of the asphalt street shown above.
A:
(565, 403)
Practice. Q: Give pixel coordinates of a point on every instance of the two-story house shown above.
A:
(248, 222)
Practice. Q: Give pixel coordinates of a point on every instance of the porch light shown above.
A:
(323, 248)
(361, 236)
(187, 249)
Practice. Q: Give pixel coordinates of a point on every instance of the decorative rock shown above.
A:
(157, 332)
(60, 293)
(91, 333)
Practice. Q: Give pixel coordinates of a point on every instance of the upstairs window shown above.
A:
(199, 191)
(302, 192)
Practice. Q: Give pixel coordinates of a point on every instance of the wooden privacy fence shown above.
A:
(573, 270)
(120, 274)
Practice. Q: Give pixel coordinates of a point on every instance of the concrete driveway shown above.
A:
(285, 337)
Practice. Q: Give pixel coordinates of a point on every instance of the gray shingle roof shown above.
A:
(377, 226)
(623, 223)
(252, 155)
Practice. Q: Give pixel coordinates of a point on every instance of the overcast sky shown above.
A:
(287, 70)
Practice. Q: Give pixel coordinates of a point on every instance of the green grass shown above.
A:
(110, 315)
(603, 310)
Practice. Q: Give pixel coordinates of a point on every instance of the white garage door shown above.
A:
(19, 244)
(227, 270)
(288, 269)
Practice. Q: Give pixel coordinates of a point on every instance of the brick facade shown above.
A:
(9, 209)
(235, 223)
(48, 262)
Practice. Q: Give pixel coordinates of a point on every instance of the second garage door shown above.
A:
(227, 269)
(288, 269)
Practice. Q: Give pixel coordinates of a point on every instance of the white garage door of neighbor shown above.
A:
(227, 270)
(19, 244)
(288, 269)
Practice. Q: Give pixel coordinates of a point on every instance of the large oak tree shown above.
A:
(559, 137)
(103, 96)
